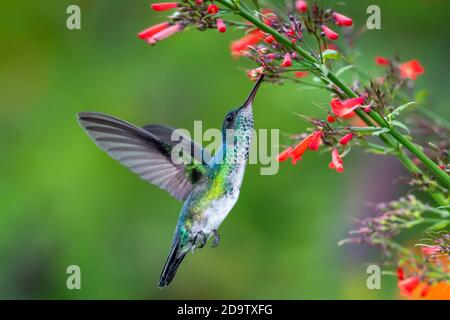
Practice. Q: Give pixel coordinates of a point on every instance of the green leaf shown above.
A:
(330, 54)
(381, 131)
(398, 110)
(400, 125)
(343, 69)
(439, 225)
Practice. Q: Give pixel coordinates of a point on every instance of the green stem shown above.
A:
(393, 134)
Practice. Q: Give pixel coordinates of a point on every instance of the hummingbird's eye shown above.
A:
(229, 117)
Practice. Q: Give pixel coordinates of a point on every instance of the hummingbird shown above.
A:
(208, 185)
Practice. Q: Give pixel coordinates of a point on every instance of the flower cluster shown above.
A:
(307, 44)
(426, 276)
(390, 220)
(417, 275)
(199, 14)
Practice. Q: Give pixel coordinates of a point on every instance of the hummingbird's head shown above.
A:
(241, 118)
(237, 128)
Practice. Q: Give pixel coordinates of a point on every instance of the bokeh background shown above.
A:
(64, 202)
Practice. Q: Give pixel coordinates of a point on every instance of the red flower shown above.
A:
(336, 161)
(212, 9)
(311, 142)
(316, 140)
(268, 16)
(425, 290)
(330, 46)
(221, 25)
(381, 61)
(287, 61)
(408, 285)
(255, 73)
(198, 2)
(300, 148)
(330, 34)
(283, 156)
(164, 6)
(240, 45)
(151, 31)
(400, 274)
(431, 250)
(301, 6)
(165, 33)
(330, 118)
(300, 74)
(269, 39)
(342, 20)
(346, 139)
(411, 69)
(345, 108)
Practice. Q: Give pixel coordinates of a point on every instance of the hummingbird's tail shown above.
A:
(176, 256)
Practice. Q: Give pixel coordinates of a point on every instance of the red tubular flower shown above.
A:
(400, 274)
(425, 290)
(198, 2)
(345, 108)
(346, 139)
(212, 9)
(316, 140)
(269, 39)
(165, 33)
(431, 250)
(221, 25)
(268, 16)
(151, 31)
(336, 161)
(283, 156)
(330, 118)
(342, 20)
(301, 6)
(163, 6)
(240, 45)
(330, 34)
(300, 74)
(381, 61)
(300, 148)
(411, 69)
(408, 285)
(287, 61)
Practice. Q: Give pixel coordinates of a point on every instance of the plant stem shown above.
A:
(394, 133)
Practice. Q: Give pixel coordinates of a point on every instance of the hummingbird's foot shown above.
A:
(216, 239)
(200, 239)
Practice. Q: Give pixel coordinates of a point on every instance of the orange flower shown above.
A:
(240, 45)
(283, 156)
(311, 142)
(411, 69)
(435, 291)
(300, 148)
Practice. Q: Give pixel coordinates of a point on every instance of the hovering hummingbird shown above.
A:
(209, 189)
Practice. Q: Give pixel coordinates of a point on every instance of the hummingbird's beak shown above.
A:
(252, 94)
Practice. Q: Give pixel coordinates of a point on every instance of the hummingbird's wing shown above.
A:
(148, 152)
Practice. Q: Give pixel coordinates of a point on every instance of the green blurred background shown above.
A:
(63, 202)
